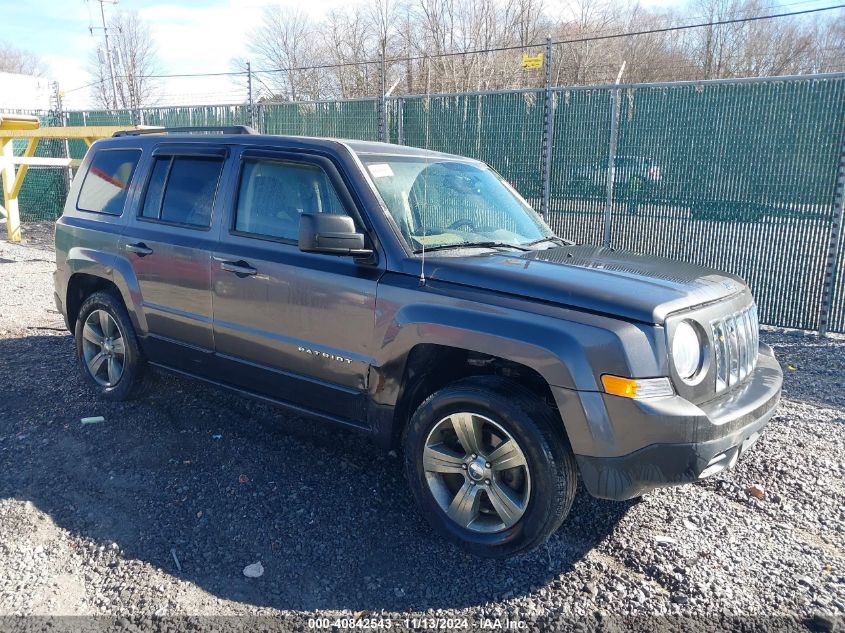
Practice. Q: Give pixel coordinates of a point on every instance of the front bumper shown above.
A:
(680, 442)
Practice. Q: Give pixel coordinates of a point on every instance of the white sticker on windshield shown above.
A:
(380, 170)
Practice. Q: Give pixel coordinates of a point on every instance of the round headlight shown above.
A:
(687, 354)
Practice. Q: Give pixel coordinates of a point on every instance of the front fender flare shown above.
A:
(557, 350)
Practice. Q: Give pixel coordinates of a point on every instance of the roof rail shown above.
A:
(225, 129)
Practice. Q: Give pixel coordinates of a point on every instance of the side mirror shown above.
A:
(331, 235)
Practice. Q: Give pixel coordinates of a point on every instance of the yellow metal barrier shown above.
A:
(16, 126)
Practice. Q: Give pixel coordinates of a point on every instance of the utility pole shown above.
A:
(108, 49)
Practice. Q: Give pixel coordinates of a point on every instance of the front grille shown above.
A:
(736, 338)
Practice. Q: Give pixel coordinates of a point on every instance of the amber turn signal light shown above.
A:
(637, 387)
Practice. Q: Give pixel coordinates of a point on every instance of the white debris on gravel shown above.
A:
(88, 520)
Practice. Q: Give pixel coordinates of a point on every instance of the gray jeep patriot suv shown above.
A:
(416, 297)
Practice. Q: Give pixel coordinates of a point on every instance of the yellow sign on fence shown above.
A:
(530, 62)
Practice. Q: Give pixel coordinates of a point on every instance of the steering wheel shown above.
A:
(463, 223)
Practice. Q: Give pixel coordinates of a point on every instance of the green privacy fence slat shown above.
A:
(581, 134)
(739, 176)
(194, 116)
(95, 117)
(503, 129)
(747, 179)
(166, 116)
(342, 119)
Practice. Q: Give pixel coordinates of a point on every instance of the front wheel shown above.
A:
(490, 467)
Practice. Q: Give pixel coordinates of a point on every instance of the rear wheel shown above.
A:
(489, 466)
(106, 347)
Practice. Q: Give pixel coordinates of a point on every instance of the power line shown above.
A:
(578, 40)
(222, 74)
(593, 38)
(180, 75)
(93, 83)
(590, 38)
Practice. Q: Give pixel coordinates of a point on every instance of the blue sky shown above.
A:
(190, 37)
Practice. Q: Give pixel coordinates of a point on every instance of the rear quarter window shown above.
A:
(107, 181)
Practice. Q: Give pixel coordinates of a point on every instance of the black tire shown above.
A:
(131, 379)
(539, 434)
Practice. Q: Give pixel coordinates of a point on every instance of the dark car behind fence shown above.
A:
(741, 175)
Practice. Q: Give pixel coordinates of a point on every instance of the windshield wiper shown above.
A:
(442, 247)
(554, 238)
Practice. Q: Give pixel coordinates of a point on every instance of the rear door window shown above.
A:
(107, 181)
(182, 190)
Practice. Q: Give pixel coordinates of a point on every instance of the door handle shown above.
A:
(139, 249)
(240, 268)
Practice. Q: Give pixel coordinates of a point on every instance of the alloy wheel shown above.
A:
(476, 472)
(103, 348)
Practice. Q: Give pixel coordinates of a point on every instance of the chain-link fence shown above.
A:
(44, 189)
(739, 175)
(353, 119)
(504, 129)
(736, 175)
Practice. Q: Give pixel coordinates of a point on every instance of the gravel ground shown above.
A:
(154, 513)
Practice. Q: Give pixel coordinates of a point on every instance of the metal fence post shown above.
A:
(251, 112)
(548, 130)
(63, 120)
(400, 121)
(616, 95)
(834, 251)
(382, 103)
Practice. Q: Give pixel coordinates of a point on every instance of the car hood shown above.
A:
(604, 280)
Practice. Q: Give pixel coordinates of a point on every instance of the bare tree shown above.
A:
(450, 33)
(749, 47)
(828, 54)
(351, 43)
(433, 45)
(580, 61)
(775, 48)
(135, 60)
(285, 41)
(646, 57)
(18, 60)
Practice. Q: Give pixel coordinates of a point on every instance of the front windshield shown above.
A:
(442, 203)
